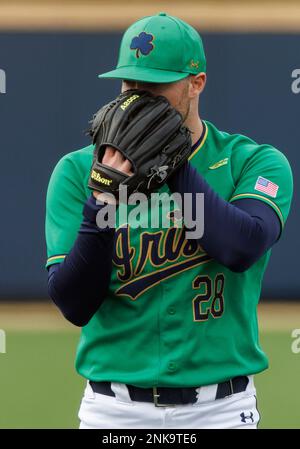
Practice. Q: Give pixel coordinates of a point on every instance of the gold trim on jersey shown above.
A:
(207, 311)
(210, 310)
(201, 143)
(119, 250)
(201, 262)
(147, 257)
(255, 195)
(61, 257)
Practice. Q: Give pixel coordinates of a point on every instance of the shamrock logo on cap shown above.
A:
(142, 44)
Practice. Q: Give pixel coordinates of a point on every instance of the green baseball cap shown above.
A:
(159, 49)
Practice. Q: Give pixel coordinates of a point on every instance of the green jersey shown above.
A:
(173, 316)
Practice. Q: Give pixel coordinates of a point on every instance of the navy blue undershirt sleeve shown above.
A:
(235, 234)
(79, 284)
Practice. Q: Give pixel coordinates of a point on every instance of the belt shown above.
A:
(168, 396)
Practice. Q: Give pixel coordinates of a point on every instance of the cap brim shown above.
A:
(144, 74)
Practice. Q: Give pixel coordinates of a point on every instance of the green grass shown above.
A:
(278, 389)
(39, 387)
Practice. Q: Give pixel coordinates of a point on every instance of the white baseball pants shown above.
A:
(238, 411)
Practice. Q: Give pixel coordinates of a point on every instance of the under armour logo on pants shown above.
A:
(244, 417)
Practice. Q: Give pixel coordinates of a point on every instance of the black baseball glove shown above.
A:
(149, 132)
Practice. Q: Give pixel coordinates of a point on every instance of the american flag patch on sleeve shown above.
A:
(266, 186)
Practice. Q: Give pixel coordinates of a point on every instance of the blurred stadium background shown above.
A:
(51, 53)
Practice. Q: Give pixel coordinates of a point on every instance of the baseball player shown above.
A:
(169, 327)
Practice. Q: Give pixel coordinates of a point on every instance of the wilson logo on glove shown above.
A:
(97, 177)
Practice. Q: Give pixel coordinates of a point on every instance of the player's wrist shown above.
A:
(90, 212)
(103, 198)
(175, 179)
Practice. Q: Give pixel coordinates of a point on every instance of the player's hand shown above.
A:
(113, 158)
